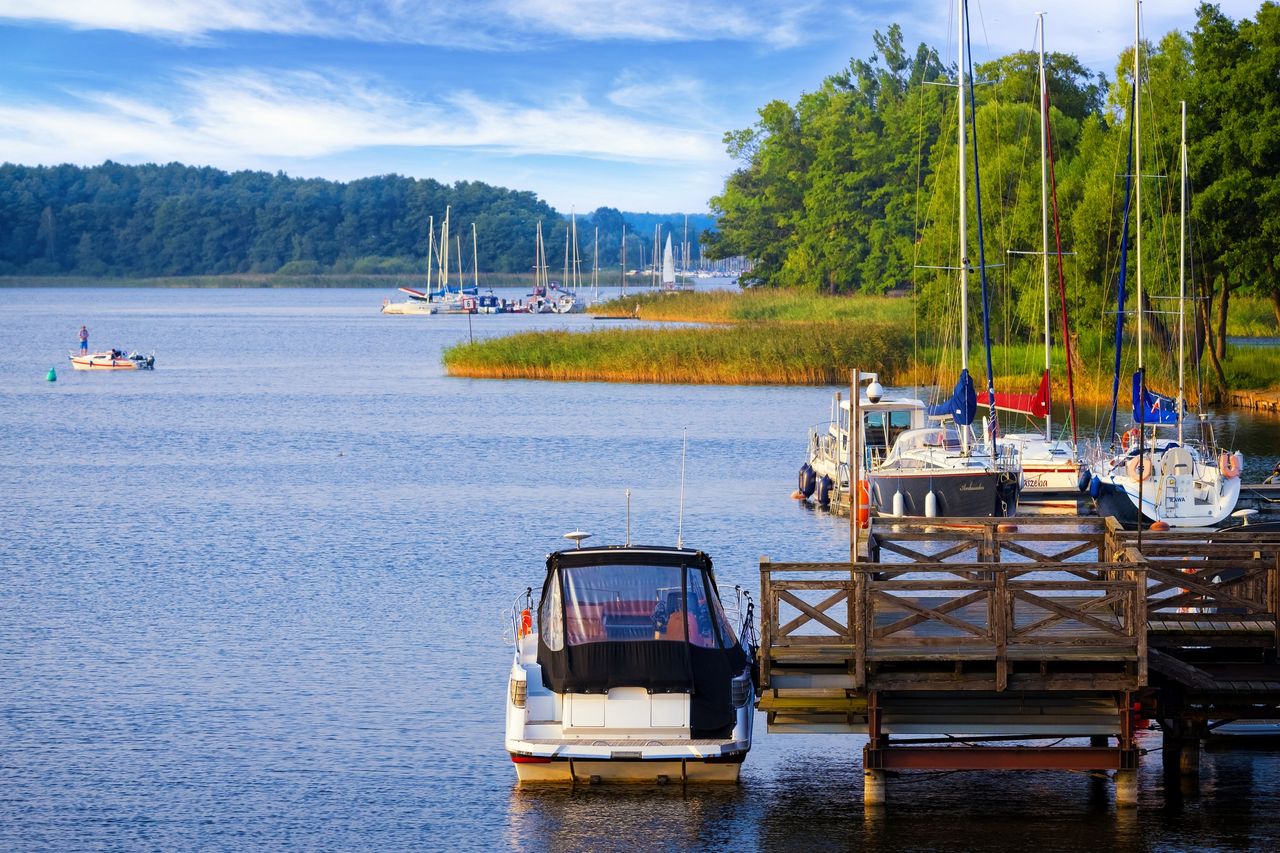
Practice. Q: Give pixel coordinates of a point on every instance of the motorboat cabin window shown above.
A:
(551, 618)
(882, 429)
(631, 603)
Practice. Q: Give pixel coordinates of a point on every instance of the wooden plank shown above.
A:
(859, 605)
(917, 618)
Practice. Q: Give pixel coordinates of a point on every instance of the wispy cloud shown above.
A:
(480, 24)
(252, 119)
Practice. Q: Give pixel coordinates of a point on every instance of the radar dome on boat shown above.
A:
(576, 536)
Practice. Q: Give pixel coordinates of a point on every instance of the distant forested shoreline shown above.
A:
(164, 221)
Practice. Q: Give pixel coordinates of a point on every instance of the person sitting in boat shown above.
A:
(115, 353)
(693, 621)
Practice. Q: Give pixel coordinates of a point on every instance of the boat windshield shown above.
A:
(922, 440)
(631, 603)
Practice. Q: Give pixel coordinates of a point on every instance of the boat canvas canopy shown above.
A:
(631, 618)
(1152, 408)
(962, 405)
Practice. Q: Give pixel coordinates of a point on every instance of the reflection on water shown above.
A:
(251, 600)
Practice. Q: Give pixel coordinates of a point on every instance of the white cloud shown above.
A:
(1094, 30)
(252, 119)
(640, 91)
(481, 24)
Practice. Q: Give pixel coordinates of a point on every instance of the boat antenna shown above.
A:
(628, 518)
(684, 450)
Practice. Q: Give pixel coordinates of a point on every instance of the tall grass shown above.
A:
(1251, 317)
(747, 354)
(783, 306)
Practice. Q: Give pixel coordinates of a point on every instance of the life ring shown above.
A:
(1139, 467)
(526, 623)
(1130, 436)
(1229, 464)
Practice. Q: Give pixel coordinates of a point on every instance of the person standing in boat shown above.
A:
(84, 339)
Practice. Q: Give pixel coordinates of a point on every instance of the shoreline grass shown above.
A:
(743, 354)
(786, 337)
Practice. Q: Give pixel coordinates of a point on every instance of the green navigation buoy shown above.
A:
(53, 375)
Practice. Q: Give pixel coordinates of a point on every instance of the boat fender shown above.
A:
(1095, 487)
(1159, 525)
(1229, 464)
(1139, 467)
(1084, 480)
(899, 503)
(824, 490)
(931, 505)
(808, 482)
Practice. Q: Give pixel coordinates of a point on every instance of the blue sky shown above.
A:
(585, 102)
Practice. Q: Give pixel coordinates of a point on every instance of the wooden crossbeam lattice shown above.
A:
(1098, 603)
(1073, 614)
(811, 612)
(924, 614)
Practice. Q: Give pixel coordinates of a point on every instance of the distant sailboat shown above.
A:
(668, 267)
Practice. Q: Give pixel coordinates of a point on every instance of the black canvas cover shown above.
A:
(613, 617)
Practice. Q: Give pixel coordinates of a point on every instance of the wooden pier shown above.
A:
(952, 644)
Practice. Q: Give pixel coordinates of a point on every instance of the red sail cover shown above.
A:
(1036, 405)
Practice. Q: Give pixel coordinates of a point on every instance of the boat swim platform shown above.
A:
(949, 635)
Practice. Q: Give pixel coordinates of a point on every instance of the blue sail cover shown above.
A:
(1152, 408)
(962, 405)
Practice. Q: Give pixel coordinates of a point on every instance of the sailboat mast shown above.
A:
(444, 249)
(964, 238)
(684, 248)
(595, 266)
(622, 259)
(431, 249)
(577, 258)
(475, 259)
(1182, 268)
(565, 283)
(1044, 213)
(1137, 160)
(458, 238)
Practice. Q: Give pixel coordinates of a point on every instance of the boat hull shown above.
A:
(107, 363)
(958, 495)
(411, 307)
(636, 771)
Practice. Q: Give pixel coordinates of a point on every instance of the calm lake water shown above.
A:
(251, 600)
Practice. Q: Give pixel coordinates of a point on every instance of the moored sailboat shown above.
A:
(1159, 474)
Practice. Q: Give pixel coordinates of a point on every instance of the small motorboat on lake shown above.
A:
(113, 359)
(633, 672)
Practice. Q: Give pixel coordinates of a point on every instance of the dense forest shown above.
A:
(176, 220)
(853, 188)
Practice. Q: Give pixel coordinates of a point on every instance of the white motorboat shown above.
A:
(632, 673)
(914, 463)
(112, 359)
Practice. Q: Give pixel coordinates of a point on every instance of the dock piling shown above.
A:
(1126, 788)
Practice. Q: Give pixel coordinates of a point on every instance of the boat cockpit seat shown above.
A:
(1176, 462)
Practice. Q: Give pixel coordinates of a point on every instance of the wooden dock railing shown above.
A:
(981, 540)
(917, 627)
